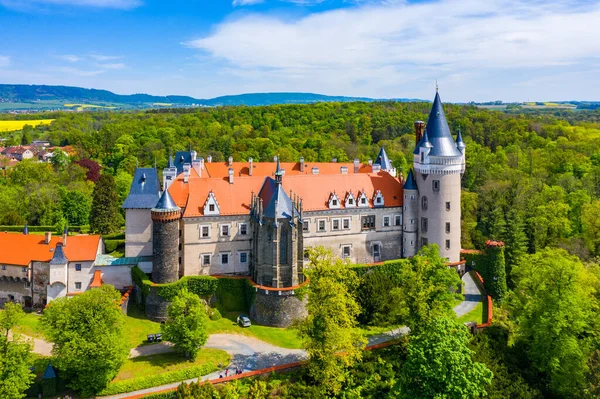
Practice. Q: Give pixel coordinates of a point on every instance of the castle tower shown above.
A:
(384, 163)
(439, 163)
(165, 240)
(169, 174)
(410, 216)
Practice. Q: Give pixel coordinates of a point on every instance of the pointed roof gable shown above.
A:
(438, 132)
(143, 193)
(279, 204)
(166, 203)
(411, 183)
(383, 160)
(59, 257)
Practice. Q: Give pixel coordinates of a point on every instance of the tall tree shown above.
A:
(425, 292)
(186, 323)
(15, 355)
(516, 242)
(439, 364)
(330, 338)
(104, 216)
(556, 312)
(89, 343)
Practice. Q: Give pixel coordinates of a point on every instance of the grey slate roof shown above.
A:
(272, 192)
(59, 257)
(182, 157)
(438, 132)
(460, 144)
(166, 203)
(383, 160)
(410, 183)
(143, 193)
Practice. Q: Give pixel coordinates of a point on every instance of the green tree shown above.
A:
(555, 308)
(89, 343)
(516, 242)
(15, 356)
(330, 338)
(495, 276)
(59, 159)
(76, 207)
(104, 215)
(426, 290)
(258, 390)
(186, 323)
(439, 364)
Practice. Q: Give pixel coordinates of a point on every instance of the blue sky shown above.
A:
(511, 50)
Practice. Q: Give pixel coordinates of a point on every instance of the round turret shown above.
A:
(165, 240)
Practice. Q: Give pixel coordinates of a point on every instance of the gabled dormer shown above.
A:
(350, 201)
(378, 199)
(211, 206)
(334, 201)
(362, 200)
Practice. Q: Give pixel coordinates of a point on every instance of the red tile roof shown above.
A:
(234, 199)
(20, 249)
(97, 280)
(221, 169)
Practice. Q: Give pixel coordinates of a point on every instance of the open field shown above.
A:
(88, 106)
(9, 126)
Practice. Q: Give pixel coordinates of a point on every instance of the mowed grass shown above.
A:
(9, 126)
(166, 362)
(477, 315)
(283, 337)
(137, 326)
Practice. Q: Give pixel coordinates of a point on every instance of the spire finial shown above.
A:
(436, 86)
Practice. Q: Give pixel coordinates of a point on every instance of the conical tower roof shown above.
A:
(438, 132)
(460, 144)
(383, 160)
(410, 183)
(166, 203)
(423, 143)
(59, 257)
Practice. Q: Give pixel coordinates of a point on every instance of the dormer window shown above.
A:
(334, 201)
(378, 199)
(211, 206)
(363, 201)
(350, 200)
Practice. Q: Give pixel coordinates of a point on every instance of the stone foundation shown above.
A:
(156, 307)
(277, 308)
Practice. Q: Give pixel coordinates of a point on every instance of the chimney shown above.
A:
(197, 165)
(250, 166)
(370, 162)
(376, 168)
(356, 165)
(275, 158)
(230, 161)
(194, 154)
(302, 164)
(315, 170)
(419, 128)
(334, 160)
(209, 159)
(25, 229)
(201, 163)
(230, 172)
(48, 237)
(344, 170)
(65, 235)
(186, 172)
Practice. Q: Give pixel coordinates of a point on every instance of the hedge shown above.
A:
(164, 395)
(112, 245)
(235, 294)
(43, 229)
(150, 381)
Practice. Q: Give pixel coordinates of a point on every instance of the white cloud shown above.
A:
(236, 3)
(304, 2)
(76, 71)
(70, 57)
(104, 58)
(4, 61)
(117, 65)
(375, 49)
(29, 5)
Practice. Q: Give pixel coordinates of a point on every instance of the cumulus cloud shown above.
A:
(4, 61)
(76, 71)
(104, 58)
(70, 57)
(117, 65)
(236, 3)
(26, 5)
(378, 45)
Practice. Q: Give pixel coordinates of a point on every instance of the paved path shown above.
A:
(40, 346)
(472, 296)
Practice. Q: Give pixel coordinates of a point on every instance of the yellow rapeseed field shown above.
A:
(9, 126)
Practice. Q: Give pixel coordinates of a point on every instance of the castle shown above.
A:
(259, 218)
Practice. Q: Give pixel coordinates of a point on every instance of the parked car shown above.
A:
(243, 321)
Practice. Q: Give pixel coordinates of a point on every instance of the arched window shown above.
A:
(283, 247)
(424, 203)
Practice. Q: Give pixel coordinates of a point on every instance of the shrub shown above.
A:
(215, 314)
(112, 245)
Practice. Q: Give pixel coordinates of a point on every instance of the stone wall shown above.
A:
(41, 277)
(165, 246)
(156, 307)
(277, 308)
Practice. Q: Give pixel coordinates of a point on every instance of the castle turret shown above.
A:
(439, 164)
(410, 216)
(169, 174)
(165, 240)
(384, 163)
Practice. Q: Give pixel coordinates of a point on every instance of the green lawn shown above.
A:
(284, 337)
(166, 362)
(477, 315)
(137, 326)
(30, 326)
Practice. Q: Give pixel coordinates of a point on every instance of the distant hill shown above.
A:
(42, 96)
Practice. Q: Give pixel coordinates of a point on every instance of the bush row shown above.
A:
(150, 381)
(42, 229)
(112, 245)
